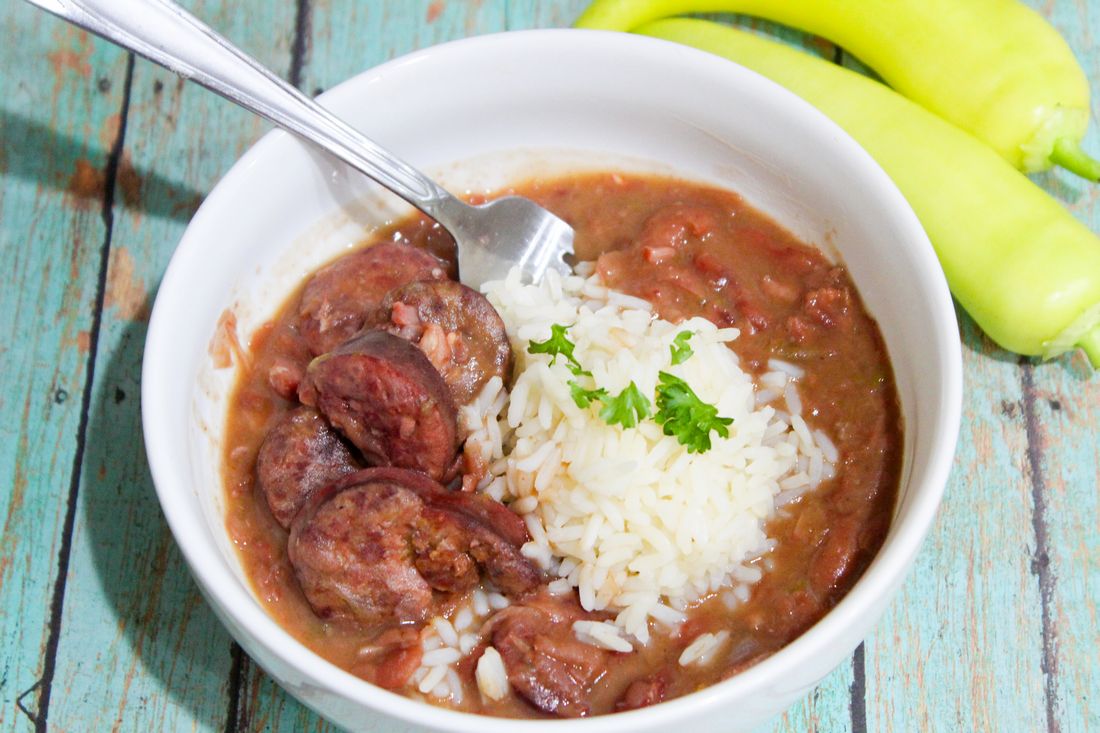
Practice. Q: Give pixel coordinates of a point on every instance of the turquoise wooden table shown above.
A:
(104, 158)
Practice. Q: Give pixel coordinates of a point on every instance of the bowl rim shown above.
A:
(230, 597)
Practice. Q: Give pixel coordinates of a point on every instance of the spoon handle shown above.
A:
(166, 34)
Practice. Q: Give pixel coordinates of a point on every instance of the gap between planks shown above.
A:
(1040, 560)
(57, 601)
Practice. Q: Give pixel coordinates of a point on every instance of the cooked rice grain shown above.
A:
(492, 678)
(703, 649)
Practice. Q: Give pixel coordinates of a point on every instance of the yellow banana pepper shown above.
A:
(995, 68)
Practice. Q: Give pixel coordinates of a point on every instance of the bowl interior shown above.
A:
(564, 101)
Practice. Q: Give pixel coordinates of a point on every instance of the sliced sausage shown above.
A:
(486, 510)
(455, 326)
(440, 546)
(451, 546)
(461, 532)
(384, 395)
(545, 662)
(350, 551)
(479, 507)
(337, 299)
(374, 545)
(298, 456)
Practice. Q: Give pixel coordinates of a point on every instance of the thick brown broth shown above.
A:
(690, 250)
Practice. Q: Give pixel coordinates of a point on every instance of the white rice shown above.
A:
(631, 519)
(446, 631)
(445, 641)
(602, 634)
(491, 676)
(431, 681)
(703, 649)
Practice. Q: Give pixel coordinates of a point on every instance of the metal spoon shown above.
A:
(491, 238)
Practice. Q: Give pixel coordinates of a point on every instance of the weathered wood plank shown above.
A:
(960, 645)
(1062, 408)
(347, 37)
(139, 649)
(59, 99)
(264, 706)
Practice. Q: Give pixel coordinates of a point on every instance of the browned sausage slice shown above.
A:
(486, 510)
(370, 547)
(460, 533)
(337, 299)
(546, 664)
(384, 395)
(451, 547)
(350, 552)
(479, 507)
(455, 326)
(298, 456)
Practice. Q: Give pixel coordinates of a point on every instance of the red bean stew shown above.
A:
(344, 468)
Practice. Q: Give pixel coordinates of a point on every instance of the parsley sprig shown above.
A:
(558, 345)
(585, 397)
(679, 410)
(680, 349)
(681, 413)
(627, 408)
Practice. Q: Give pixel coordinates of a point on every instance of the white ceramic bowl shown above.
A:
(479, 113)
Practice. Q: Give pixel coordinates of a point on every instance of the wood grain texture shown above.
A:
(139, 649)
(346, 37)
(961, 641)
(62, 94)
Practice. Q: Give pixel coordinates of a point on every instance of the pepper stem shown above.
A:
(1090, 343)
(1068, 154)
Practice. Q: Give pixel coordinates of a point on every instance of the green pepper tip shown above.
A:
(1068, 154)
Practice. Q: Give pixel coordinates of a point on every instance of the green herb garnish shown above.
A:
(558, 345)
(681, 352)
(685, 416)
(585, 397)
(679, 410)
(627, 408)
